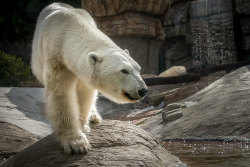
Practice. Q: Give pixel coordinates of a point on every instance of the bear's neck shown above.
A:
(84, 42)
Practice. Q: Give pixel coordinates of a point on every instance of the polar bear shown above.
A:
(74, 60)
(174, 71)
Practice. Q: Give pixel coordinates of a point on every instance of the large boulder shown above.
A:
(219, 111)
(114, 143)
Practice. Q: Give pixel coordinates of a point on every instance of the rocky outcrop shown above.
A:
(176, 92)
(219, 111)
(133, 25)
(114, 143)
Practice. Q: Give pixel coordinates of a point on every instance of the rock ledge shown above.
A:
(114, 143)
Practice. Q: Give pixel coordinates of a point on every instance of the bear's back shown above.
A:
(53, 21)
(63, 13)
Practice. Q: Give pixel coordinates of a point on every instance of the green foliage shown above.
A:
(12, 70)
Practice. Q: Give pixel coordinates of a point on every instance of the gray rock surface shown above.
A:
(212, 32)
(23, 122)
(114, 111)
(22, 119)
(219, 111)
(24, 108)
(13, 139)
(114, 143)
(175, 106)
(169, 116)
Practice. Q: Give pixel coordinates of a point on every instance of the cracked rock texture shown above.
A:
(114, 143)
(219, 111)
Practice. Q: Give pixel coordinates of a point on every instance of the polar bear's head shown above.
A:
(117, 76)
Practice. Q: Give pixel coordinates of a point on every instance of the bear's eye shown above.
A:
(124, 71)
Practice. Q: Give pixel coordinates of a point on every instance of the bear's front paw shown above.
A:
(95, 118)
(77, 144)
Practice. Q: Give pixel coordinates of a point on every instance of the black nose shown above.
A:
(142, 92)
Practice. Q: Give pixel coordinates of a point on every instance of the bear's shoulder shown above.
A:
(61, 11)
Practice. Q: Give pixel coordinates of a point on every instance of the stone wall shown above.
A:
(176, 49)
(132, 24)
(212, 32)
(199, 33)
(163, 33)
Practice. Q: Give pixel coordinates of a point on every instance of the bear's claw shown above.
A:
(95, 118)
(79, 144)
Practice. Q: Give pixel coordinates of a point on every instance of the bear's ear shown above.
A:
(94, 58)
(126, 50)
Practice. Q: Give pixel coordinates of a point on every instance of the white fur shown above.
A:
(174, 71)
(73, 59)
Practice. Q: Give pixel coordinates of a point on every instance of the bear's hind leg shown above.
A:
(63, 109)
(86, 100)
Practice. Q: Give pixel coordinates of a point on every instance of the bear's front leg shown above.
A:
(86, 100)
(63, 109)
